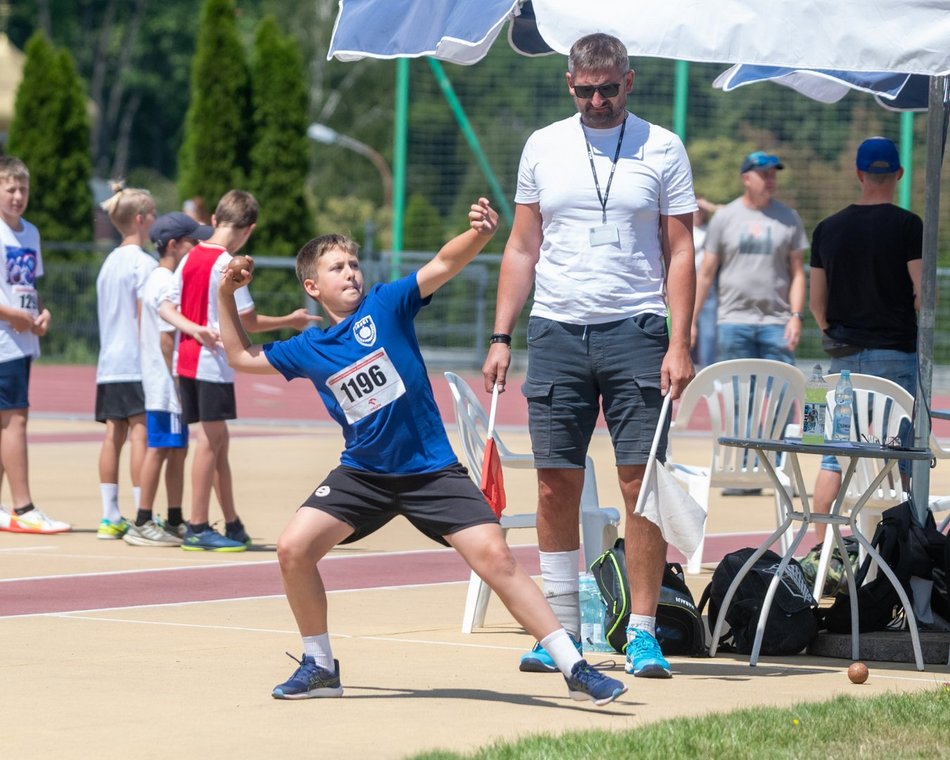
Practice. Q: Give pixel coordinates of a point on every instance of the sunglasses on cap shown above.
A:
(586, 91)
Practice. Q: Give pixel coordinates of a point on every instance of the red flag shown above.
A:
(493, 480)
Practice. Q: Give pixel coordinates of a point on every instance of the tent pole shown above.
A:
(905, 191)
(500, 199)
(936, 139)
(680, 90)
(400, 140)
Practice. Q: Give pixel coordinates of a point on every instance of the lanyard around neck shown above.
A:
(613, 167)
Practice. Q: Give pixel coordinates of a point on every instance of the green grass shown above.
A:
(889, 726)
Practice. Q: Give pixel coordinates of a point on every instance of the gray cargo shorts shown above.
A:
(573, 369)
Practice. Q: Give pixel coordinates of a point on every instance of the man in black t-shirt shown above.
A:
(865, 286)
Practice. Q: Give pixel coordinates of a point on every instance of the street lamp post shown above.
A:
(321, 133)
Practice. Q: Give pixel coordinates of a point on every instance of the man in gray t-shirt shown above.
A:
(756, 245)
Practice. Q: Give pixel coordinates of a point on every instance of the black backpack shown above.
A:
(910, 549)
(679, 627)
(792, 623)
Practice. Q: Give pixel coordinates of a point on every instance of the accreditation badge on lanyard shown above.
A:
(604, 233)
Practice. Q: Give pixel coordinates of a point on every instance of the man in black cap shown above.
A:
(174, 235)
(865, 286)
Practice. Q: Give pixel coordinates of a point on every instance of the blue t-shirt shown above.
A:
(370, 374)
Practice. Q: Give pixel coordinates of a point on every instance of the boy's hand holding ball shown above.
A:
(238, 266)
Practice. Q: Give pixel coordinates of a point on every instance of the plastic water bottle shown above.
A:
(844, 401)
(592, 616)
(814, 409)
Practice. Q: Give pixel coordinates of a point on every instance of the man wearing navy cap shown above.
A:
(755, 246)
(865, 286)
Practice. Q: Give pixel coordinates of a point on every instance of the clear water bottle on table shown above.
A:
(844, 408)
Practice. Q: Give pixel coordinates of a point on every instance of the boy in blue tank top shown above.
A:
(369, 372)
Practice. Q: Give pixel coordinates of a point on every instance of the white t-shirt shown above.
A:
(22, 266)
(196, 283)
(161, 394)
(577, 281)
(118, 291)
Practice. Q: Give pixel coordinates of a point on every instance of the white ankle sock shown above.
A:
(643, 623)
(110, 502)
(318, 647)
(562, 650)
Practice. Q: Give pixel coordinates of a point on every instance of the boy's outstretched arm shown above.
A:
(454, 255)
(243, 355)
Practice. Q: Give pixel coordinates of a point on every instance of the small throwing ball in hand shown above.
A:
(237, 264)
(858, 672)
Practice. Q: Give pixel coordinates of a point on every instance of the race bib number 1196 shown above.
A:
(366, 386)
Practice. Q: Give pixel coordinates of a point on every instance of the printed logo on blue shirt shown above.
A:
(365, 331)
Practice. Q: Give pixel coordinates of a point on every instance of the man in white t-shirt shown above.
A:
(173, 235)
(603, 230)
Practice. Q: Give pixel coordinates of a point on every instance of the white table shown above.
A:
(792, 448)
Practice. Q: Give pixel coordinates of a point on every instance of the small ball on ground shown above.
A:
(237, 264)
(858, 672)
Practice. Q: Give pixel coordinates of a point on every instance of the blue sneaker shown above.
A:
(310, 680)
(644, 657)
(209, 540)
(586, 682)
(539, 661)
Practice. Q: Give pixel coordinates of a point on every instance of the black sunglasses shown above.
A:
(586, 91)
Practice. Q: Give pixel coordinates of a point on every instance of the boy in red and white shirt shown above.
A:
(206, 382)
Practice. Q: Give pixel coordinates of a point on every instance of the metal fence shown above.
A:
(453, 331)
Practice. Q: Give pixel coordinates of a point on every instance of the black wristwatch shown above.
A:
(500, 338)
(799, 314)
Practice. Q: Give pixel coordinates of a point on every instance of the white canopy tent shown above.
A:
(842, 35)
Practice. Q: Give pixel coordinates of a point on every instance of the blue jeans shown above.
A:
(705, 352)
(738, 341)
(897, 366)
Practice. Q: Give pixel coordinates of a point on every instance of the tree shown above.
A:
(50, 133)
(214, 155)
(424, 227)
(280, 155)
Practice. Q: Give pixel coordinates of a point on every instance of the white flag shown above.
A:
(664, 502)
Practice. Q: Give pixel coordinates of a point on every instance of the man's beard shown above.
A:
(603, 118)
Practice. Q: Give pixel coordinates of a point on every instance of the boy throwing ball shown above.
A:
(368, 369)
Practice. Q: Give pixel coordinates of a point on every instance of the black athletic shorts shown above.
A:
(203, 401)
(119, 401)
(436, 503)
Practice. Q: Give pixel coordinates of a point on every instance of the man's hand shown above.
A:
(793, 332)
(41, 324)
(677, 372)
(495, 369)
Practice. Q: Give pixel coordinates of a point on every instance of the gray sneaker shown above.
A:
(150, 534)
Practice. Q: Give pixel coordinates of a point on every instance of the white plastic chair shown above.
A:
(598, 524)
(746, 398)
(880, 408)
